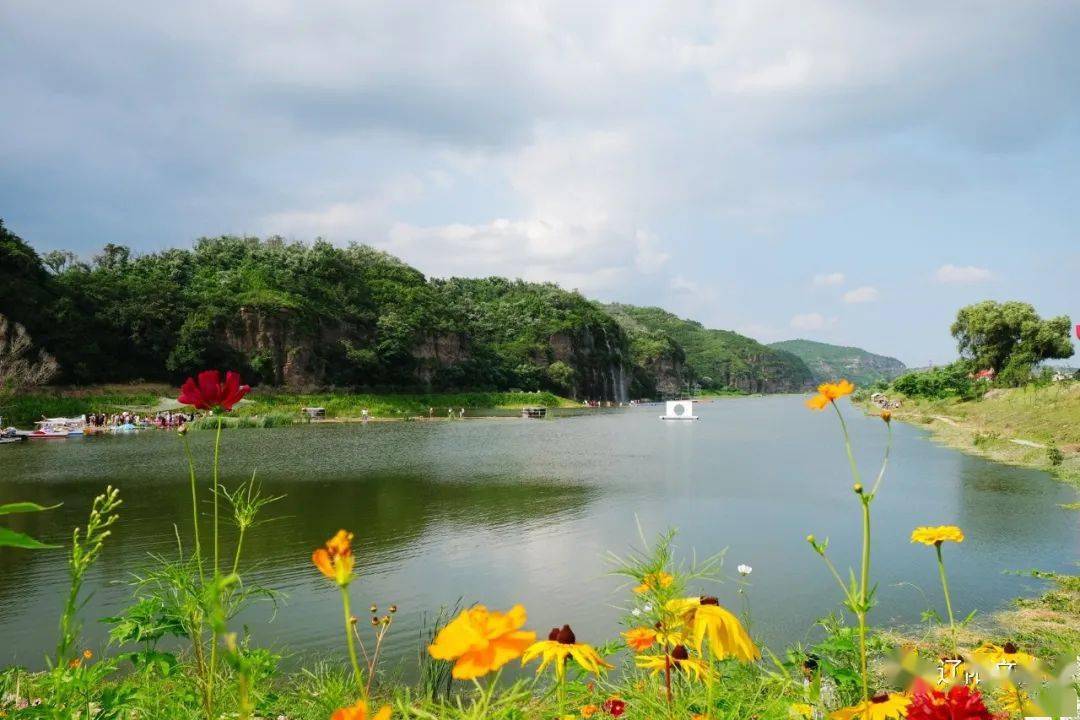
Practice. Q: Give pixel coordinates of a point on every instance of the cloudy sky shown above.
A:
(845, 171)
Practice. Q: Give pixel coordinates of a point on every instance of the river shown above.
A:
(506, 510)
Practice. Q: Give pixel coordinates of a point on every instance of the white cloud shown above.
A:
(864, 294)
(962, 274)
(812, 321)
(826, 279)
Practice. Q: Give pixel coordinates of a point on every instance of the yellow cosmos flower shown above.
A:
(639, 639)
(654, 581)
(704, 618)
(992, 656)
(359, 711)
(829, 392)
(335, 561)
(560, 645)
(589, 710)
(678, 659)
(835, 391)
(801, 711)
(937, 535)
(887, 706)
(481, 641)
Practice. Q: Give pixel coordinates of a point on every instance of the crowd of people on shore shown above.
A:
(163, 420)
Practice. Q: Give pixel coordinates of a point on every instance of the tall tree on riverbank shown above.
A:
(1010, 337)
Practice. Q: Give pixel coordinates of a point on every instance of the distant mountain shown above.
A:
(829, 362)
(719, 358)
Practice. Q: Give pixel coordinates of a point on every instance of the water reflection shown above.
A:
(506, 511)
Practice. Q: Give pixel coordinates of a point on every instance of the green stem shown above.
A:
(847, 445)
(862, 595)
(239, 545)
(194, 505)
(352, 643)
(945, 588)
(217, 449)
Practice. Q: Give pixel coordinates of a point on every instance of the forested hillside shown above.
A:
(828, 362)
(722, 358)
(307, 315)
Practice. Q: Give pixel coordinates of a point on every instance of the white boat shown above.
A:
(54, 428)
(679, 410)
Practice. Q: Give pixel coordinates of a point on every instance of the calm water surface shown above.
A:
(503, 511)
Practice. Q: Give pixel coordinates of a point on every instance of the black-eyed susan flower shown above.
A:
(678, 659)
(886, 706)
(937, 535)
(336, 560)
(481, 641)
(1004, 656)
(561, 645)
(704, 618)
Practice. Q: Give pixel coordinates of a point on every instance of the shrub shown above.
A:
(1054, 454)
(938, 383)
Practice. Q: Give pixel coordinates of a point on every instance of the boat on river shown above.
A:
(679, 410)
(57, 428)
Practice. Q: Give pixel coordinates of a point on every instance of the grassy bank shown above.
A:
(1037, 427)
(262, 408)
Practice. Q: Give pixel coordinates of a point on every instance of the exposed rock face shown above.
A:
(274, 340)
(437, 352)
(601, 364)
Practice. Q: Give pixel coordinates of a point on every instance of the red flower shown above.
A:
(961, 703)
(210, 393)
(614, 706)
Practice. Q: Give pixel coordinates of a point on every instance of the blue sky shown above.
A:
(844, 171)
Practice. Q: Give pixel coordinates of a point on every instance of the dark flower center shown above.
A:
(679, 653)
(564, 635)
(883, 697)
(709, 600)
(1010, 648)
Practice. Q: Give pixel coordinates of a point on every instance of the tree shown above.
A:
(19, 369)
(1010, 337)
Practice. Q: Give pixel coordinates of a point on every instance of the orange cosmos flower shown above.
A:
(481, 641)
(639, 639)
(359, 711)
(335, 561)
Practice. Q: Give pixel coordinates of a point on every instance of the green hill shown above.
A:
(829, 362)
(721, 358)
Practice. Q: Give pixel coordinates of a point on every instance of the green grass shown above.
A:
(271, 407)
(1048, 415)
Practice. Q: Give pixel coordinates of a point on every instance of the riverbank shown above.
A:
(1035, 427)
(267, 407)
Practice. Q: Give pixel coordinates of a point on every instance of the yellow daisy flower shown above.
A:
(887, 706)
(704, 618)
(994, 656)
(936, 535)
(560, 645)
(678, 659)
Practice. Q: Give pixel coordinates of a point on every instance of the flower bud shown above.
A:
(857, 487)
(811, 539)
(886, 416)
